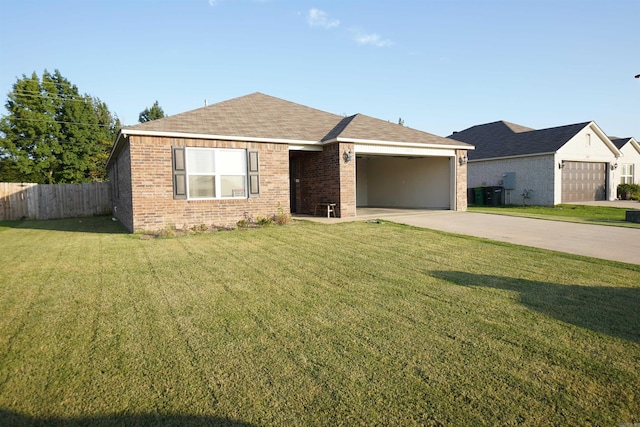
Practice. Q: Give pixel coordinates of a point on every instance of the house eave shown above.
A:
(128, 132)
(400, 143)
(519, 156)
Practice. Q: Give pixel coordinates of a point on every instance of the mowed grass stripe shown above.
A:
(320, 325)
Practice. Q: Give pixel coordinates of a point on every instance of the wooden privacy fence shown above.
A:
(53, 201)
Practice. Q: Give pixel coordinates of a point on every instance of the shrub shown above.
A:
(280, 217)
(629, 191)
(264, 221)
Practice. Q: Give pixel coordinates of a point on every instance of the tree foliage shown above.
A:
(153, 113)
(53, 134)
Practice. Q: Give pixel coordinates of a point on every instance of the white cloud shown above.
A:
(212, 2)
(372, 39)
(319, 18)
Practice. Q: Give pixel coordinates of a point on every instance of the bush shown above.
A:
(280, 217)
(264, 221)
(629, 191)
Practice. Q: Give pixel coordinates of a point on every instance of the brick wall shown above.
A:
(461, 181)
(325, 177)
(154, 207)
(120, 178)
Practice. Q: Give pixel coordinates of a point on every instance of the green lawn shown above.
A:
(310, 324)
(601, 215)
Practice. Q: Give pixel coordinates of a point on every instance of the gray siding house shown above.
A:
(571, 163)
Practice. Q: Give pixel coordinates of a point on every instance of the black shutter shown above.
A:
(179, 173)
(253, 173)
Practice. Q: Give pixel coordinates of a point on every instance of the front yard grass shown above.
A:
(600, 215)
(310, 324)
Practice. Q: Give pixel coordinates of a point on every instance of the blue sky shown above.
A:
(441, 65)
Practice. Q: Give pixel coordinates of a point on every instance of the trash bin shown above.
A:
(478, 196)
(497, 196)
(493, 195)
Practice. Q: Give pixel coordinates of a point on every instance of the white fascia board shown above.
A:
(552, 153)
(314, 147)
(635, 144)
(605, 138)
(128, 132)
(398, 143)
(113, 149)
(402, 151)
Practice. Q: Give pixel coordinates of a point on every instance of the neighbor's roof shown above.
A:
(503, 139)
(621, 142)
(264, 117)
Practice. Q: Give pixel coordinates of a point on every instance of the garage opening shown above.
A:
(403, 182)
(583, 181)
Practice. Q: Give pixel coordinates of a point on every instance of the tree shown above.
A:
(53, 134)
(153, 113)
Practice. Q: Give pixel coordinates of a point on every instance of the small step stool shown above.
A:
(331, 208)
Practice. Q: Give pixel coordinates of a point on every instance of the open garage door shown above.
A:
(403, 182)
(584, 181)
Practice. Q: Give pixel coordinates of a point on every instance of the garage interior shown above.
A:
(403, 182)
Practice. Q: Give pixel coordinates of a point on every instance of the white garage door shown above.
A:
(584, 181)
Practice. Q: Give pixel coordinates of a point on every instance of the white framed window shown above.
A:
(216, 173)
(626, 173)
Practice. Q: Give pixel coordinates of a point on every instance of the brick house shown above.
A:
(256, 155)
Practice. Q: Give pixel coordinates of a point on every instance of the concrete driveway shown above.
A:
(599, 241)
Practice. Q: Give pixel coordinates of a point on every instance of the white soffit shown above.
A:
(402, 151)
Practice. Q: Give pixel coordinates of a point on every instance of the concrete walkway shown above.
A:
(599, 241)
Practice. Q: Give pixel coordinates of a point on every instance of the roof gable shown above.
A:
(621, 142)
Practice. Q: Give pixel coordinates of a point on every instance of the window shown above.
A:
(214, 173)
(626, 173)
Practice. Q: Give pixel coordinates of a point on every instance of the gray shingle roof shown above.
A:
(262, 116)
(619, 142)
(364, 127)
(503, 139)
(256, 115)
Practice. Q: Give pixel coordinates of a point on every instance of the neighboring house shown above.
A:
(563, 164)
(255, 155)
(629, 164)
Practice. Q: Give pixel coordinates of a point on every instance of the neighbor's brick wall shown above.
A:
(461, 182)
(120, 178)
(325, 177)
(151, 175)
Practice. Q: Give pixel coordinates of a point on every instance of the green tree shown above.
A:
(53, 134)
(153, 113)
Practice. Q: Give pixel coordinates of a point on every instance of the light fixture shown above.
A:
(347, 156)
(560, 165)
(463, 160)
(614, 166)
